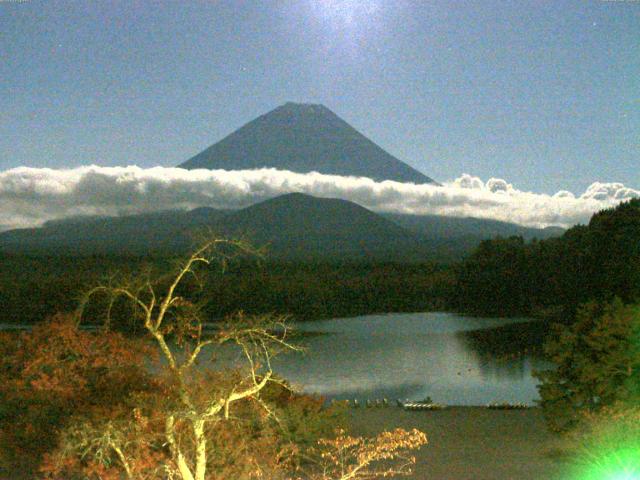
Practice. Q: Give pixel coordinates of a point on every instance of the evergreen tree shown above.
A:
(596, 363)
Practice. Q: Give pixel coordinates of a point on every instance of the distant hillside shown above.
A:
(304, 138)
(298, 226)
(293, 227)
(156, 233)
(438, 226)
(454, 237)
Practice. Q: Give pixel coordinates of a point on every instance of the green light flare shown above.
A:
(619, 464)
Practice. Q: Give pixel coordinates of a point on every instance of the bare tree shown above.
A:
(184, 424)
(165, 313)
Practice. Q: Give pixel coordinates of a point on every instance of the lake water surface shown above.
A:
(410, 355)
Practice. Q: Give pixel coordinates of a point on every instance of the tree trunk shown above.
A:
(201, 449)
(183, 468)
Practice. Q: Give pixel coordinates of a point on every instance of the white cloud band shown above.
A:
(30, 196)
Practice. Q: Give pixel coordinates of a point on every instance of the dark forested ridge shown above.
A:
(299, 227)
(452, 238)
(324, 257)
(598, 261)
(162, 233)
(503, 276)
(473, 229)
(33, 288)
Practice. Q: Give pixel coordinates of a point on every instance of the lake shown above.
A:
(454, 359)
(413, 355)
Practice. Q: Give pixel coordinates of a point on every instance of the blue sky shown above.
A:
(545, 94)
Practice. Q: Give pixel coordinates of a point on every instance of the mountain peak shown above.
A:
(314, 113)
(304, 137)
(303, 106)
(295, 201)
(297, 225)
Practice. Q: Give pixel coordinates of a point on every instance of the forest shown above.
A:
(32, 288)
(501, 277)
(551, 278)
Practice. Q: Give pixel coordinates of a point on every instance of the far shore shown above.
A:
(472, 443)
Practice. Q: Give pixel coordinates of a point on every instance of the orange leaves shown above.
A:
(346, 457)
(55, 384)
(109, 443)
(55, 373)
(58, 358)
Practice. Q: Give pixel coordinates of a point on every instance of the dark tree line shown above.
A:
(599, 261)
(32, 288)
(310, 291)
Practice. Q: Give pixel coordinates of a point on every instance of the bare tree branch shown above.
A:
(257, 337)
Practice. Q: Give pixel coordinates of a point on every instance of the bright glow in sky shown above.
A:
(545, 94)
(344, 13)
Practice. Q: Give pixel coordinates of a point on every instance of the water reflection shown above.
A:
(511, 350)
(413, 356)
(453, 359)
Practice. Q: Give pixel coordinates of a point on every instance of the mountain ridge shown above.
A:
(300, 226)
(293, 226)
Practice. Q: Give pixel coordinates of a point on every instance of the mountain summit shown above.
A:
(304, 138)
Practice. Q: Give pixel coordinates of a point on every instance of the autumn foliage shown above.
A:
(81, 404)
(96, 405)
(56, 374)
(345, 457)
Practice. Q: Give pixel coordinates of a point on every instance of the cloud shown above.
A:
(498, 185)
(31, 196)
